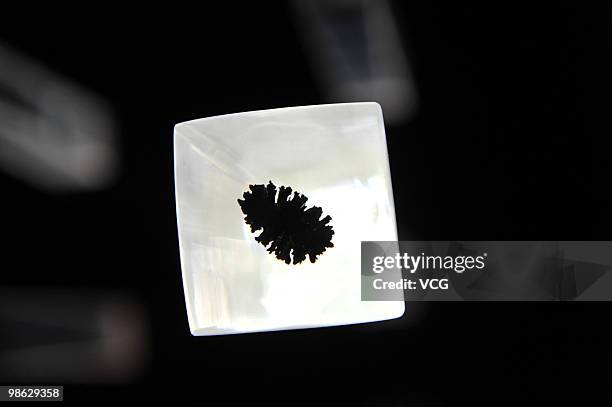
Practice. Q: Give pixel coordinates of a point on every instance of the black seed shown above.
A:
(288, 227)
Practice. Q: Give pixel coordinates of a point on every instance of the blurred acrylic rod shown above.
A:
(54, 135)
(357, 54)
(71, 336)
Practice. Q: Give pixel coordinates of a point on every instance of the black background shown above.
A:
(510, 141)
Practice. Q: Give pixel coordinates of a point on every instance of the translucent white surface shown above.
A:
(336, 155)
